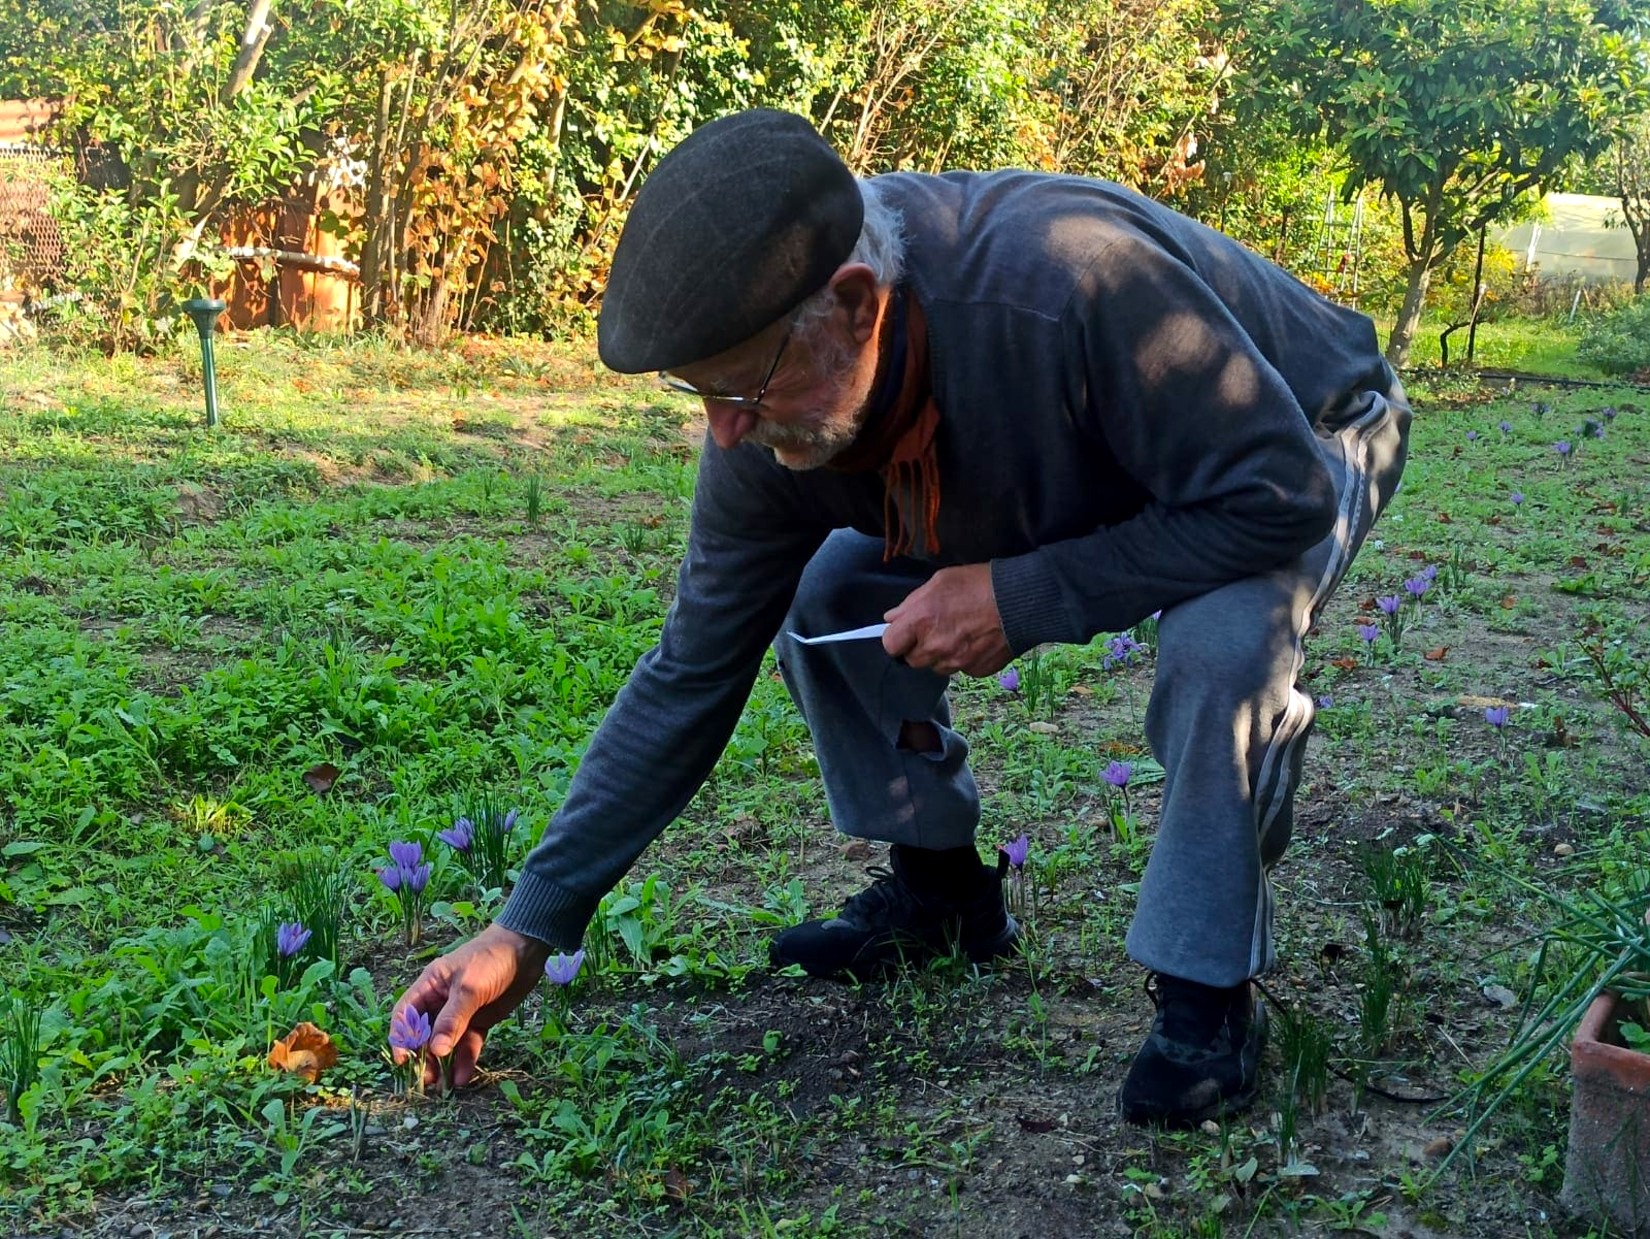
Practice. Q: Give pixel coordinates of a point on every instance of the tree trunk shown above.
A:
(251, 50)
(374, 303)
(1409, 317)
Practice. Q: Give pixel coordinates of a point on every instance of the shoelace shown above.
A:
(874, 898)
(1188, 1017)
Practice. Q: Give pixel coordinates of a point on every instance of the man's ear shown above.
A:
(858, 298)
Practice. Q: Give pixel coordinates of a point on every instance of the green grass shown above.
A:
(432, 572)
(1531, 346)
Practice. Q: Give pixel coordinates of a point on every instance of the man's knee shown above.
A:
(919, 737)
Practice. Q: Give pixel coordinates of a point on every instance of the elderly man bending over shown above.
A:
(996, 410)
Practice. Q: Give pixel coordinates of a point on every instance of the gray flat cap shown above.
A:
(734, 228)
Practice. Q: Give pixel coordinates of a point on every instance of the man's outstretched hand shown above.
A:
(950, 623)
(467, 992)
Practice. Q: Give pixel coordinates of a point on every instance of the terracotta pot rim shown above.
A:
(1593, 1054)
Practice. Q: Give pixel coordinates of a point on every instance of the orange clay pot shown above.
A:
(1607, 1171)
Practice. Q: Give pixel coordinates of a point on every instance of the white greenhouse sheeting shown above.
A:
(1573, 239)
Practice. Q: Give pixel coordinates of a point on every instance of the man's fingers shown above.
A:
(466, 1057)
(453, 1019)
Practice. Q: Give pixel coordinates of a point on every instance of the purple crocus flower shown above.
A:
(1018, 851)
(1389, 604)
(1472, 436)
(562, 968)
(410, 1030)
(1506, 428)
(390, 876)
(1562, 447)
(1326, 702)
(460, 837)
(510, 820)
(1369, 632)
(1496, 716)
(406, 855)
(1429, 573)
(1121, 650)
(1416, 586)
(1517, 498)
(290, 937)
(416, 879)
(1118, 774)
(1608, 413)
(1009, 680)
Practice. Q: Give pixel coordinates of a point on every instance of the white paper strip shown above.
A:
(852, 634)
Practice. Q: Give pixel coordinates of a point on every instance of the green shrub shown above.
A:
(1619, 342)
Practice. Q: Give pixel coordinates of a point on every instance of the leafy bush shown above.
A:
(1619, 342)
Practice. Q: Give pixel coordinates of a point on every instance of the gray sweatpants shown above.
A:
(1227, 720)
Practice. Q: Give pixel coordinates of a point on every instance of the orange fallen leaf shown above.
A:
(1437, 655)
(319, 779)
(306, 1051)
(1345, 664)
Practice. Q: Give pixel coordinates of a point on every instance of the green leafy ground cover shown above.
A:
(431, 573)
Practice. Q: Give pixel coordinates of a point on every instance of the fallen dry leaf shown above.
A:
(306, 1051)
(320, 778)
(1345, 664)
(1438, 1148)
(1436, 655)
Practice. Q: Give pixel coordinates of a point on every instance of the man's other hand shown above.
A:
(467, 992)
(949, 624)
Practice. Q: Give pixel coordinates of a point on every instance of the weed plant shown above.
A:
(19, 1052)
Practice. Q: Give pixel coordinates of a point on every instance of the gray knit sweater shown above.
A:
(1127, 404)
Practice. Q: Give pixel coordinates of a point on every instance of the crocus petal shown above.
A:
(290, 938)
(406, 855)
(390, 876)
(561, 968)
(410, 1029)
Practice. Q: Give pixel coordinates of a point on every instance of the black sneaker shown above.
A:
(1201, 1058)
(903, 918)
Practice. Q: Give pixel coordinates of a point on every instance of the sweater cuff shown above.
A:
(556, 916)
(1029, 603)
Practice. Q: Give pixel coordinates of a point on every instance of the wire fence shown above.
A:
(31, 247)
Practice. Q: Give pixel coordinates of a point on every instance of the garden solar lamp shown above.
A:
(205, 311)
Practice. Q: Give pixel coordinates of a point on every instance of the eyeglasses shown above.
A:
(744, 402)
